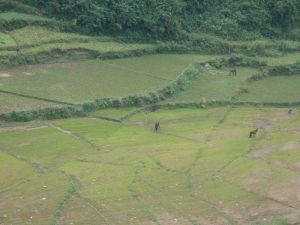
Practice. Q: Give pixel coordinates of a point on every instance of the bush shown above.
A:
(285, 70)
(44, 114)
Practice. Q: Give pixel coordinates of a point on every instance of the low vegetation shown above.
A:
(273, 89)
(192, 171)
(149, 112)
(79, 82)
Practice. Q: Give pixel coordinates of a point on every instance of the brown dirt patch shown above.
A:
(297, 165)
(287, 191)
(5, 75)
(259, 153)
(293, 131)
(168, 219)
(263, 212)
(226, 134)
(291, 146)
(254, 180)
(212, 220)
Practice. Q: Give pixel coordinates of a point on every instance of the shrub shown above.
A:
(45, 114)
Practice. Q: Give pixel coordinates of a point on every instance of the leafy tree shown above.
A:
(284, 13)
(172, 19)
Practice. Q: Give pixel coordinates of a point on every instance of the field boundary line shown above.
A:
(23, 181)
(71, 191)
(37, 167)
(38, 98)
(263, 196)
(244, 154)
(135, 196)
(218, 211)
(172, 204)
(105, 118)
(94, 208)
(188, 191)
(103, 163)
(77, 136)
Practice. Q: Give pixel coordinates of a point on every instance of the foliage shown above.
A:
(65, 112)
(285, 70)
(273, 89)
(165, 19)
(150, 98)
(16, 6)
(45, 114)
(284, 13)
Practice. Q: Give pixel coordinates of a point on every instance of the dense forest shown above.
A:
(173, 19)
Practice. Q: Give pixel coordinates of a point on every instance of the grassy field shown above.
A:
(35, 36)
(273, 89)
(102, 47)
(6, 41)
(10, 103)
(116, 114)
(80, 81)
(214, 84)
(286, 59)
(200, 168)
(110, 167)
(31, 36)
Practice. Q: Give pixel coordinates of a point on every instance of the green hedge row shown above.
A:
(212, 103)
(44, 114)
(214, 46)
(284, 70)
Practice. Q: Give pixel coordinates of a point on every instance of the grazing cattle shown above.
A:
(252, 134)
(156, 126)
(290, 112)
(232, 71)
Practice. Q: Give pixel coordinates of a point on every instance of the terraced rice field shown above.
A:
(214, 84)
(10, 103)
(34, 35)
(274, 89)
(78, 82)
(200, 168)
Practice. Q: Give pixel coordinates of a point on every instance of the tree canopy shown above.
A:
(170, 19)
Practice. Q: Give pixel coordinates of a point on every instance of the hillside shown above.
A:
(84, 83)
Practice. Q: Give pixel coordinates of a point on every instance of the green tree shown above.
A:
(284, 13)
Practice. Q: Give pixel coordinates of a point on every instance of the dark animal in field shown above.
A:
(252, 134)
(290, 112)
(156, 126)
(232, 71)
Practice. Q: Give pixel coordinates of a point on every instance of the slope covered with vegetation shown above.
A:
(174, 19)
(83, 82)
